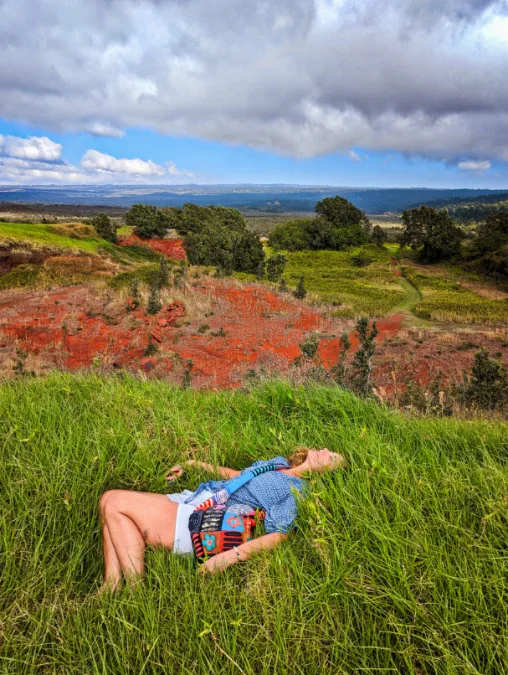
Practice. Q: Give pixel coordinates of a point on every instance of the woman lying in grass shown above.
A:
(133, 520)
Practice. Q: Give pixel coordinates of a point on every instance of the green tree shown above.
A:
(432, 233)
(378, 236)
(154, 301)
(339, 370)
(134, 294)
(105, 228)
(261, 270)
(275, 266)
(292, 236)
(338, 226)
(300, 292)
(340, 212)
(488, 388)
(218, 236)
(283, 287)
(492, 235)
(163, 273)
(362, 363)
(148, 221)
(247, 252)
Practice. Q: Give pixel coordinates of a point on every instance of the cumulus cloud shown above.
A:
(354, 156)
(101, 162)
(38, 160)
(35, 148)
(299, 77)
(475, 166)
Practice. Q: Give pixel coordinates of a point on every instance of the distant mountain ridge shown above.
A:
(265, 198)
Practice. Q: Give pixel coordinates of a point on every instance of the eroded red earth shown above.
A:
(172, 248)
(224, 327)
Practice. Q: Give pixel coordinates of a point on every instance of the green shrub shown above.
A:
(275, 266)
(300, 292)
(488, 388)
(105, 228)
(148, 221)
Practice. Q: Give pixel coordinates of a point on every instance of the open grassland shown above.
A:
(397, 565)
(64, 254)
(334, 277)
(445, 298)
(45, 234)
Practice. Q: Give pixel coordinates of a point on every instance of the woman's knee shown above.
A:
(110, 500)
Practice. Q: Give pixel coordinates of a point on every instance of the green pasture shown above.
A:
(334, 278)
(444, 299)
(37, 235)
(42, 234)
(397, 565)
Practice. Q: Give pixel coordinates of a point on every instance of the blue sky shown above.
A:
(215, 163)
(310, 92)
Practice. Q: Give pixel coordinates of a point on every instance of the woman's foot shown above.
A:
(108, 587)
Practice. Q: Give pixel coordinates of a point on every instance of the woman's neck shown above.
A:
(297, 471)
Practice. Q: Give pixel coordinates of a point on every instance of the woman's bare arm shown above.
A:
(223, 471)
(265, 543)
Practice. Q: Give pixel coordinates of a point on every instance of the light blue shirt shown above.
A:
(274, 492)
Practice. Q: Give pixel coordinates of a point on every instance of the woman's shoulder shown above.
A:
(280, 463)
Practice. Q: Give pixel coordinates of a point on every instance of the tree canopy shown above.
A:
(105, 227)
(432, 233)
(148, 221)
(337, 226)
(216, 235)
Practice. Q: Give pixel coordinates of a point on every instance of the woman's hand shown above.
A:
(174, 473)
(219, 562)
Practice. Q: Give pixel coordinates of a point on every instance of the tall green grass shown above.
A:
(372, 290)
(444, 299)
(398, 564)
(42, 234)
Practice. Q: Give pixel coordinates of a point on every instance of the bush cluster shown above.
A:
(337, 226)
(213, 235)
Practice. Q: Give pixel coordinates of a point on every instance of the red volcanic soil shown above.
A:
(224, 328)
(172, 248)
(69, 328)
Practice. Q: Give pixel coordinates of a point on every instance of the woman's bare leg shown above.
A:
(132, 520)
(112, 568)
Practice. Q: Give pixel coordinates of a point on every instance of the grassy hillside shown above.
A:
(398, 564)
(444, 298)
(334, 277)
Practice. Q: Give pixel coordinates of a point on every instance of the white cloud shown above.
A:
(34, 147)
(354, 156)
(38, 160)
(472, 165)
(101, 162)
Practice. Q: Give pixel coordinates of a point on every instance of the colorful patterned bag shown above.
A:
(215, 528)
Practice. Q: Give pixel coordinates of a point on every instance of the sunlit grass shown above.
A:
(334, 278)
(444, 299)
(42, 234)
(398, 564)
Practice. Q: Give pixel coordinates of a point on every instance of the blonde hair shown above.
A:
(298, 456)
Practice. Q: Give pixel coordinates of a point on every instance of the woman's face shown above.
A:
(320, 460)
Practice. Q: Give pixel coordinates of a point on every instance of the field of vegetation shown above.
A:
(397, 565)
(358, 281)
(444, 298)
